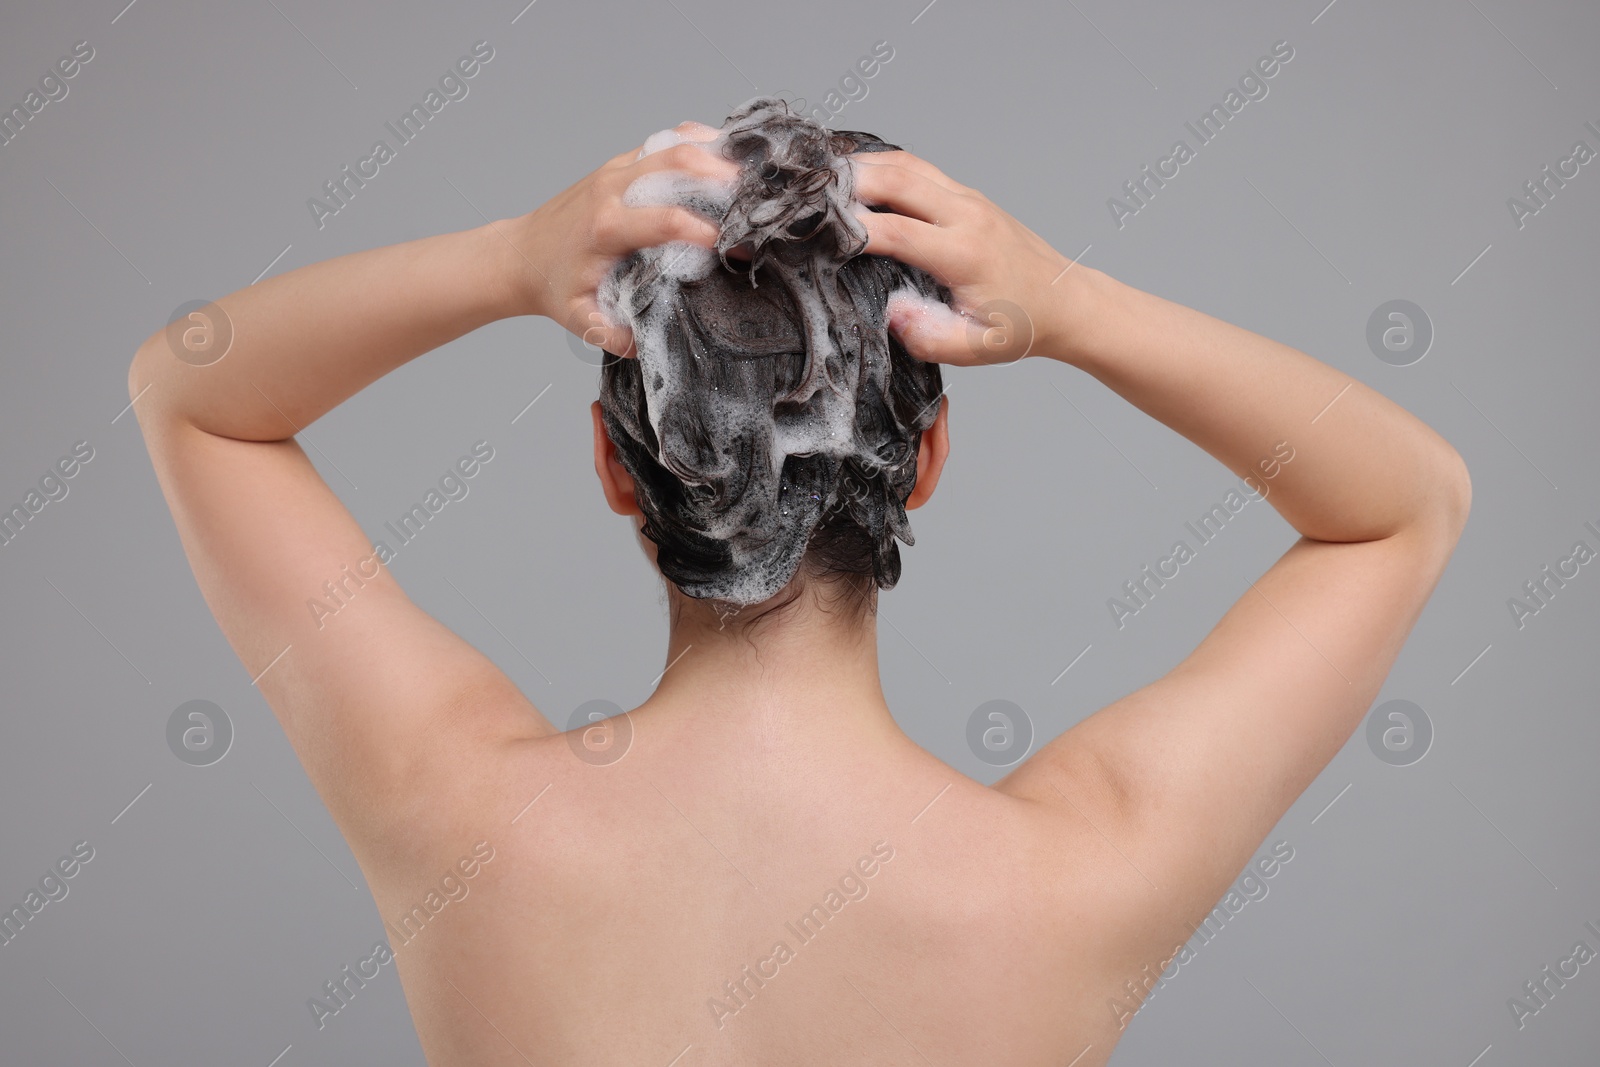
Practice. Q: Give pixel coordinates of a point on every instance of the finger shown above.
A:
(690, 130)
(645, 227)
(921, 244)
(685, 132)
(906, 192)
(689, 157)
(917, 165)
(620, 342)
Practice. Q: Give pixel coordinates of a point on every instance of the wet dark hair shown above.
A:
(771, 421)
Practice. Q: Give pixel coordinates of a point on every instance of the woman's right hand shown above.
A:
(566, 247)
(1003, 276)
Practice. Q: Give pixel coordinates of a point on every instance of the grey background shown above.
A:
(1378, 167)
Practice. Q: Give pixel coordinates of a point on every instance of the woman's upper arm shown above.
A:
(366, 684)
(1191, 772)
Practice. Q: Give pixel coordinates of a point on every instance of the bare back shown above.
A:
(746, 907)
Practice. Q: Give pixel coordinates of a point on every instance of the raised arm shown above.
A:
(1210, 756)
(377, 693)
(1189, 773)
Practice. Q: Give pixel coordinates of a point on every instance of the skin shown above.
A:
(620, 897)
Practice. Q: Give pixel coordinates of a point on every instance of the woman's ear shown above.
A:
(931, 452)
(614, 477)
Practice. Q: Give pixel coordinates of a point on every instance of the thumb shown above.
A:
(930, 329)
(619, 340)
(596, 331)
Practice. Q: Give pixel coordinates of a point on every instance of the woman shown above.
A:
(774, 873)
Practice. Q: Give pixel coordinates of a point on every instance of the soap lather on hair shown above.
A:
(770, 418)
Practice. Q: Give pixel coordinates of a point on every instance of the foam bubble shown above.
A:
(921, 311)
(696, 133)
(659, 140)
(708, 196)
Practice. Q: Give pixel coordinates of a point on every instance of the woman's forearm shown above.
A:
(306, 340)
(1363, 467)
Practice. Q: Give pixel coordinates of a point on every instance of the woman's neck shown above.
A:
(813, 666)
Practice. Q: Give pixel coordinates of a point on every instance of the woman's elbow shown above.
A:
(1450, 498)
